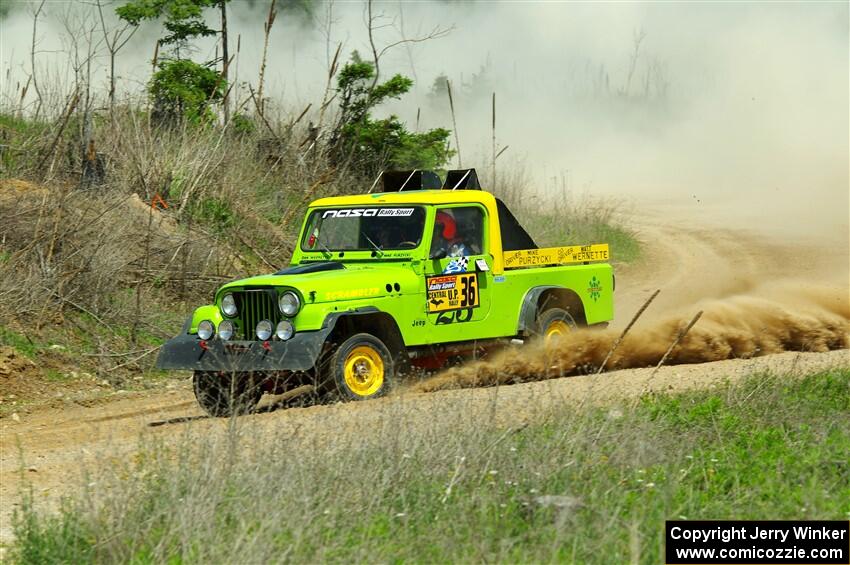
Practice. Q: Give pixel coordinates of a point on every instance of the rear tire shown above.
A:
(222, 395)
(361, 368)
(555, 323)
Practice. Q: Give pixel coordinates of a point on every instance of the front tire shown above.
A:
(222, 395)
(362, 368)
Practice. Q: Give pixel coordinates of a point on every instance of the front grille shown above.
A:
(253, 306)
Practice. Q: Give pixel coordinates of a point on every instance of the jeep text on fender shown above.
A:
(414, 275)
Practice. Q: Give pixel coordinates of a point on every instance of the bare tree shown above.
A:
(32, 56)
(373, 25)
(82, 49)
(407, 45)
(225, 62)
(494, 142)
(333, 63)
(639, 36)
(115, 40)
(327, 24)
(454, 123)
(267, 28)
(327, 98)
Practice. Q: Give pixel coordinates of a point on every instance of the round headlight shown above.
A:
(228, 305)
(225, 330)
(206, 330)
(289, 303)
(285, 330)
(264, 330)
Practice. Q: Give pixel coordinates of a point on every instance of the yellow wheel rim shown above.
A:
(557, 329)
(364, 371)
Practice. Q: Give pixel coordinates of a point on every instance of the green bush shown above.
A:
(242, 125)
(214, 212)
(387, 143)
(182, 88)
(370, 144)
(182, 19)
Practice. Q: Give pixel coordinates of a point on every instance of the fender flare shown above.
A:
(332, 318)
(528, 309)
(394, 339)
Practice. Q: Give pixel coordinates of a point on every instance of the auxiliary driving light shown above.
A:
(225, 330)
(289, 303)
(206, 330)
(285, 330)
(228, 305)
(264, 330)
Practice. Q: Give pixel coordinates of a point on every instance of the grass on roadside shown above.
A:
(584, 224)
(19, 341)
(592, 485)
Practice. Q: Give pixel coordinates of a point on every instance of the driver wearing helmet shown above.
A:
(446, 236)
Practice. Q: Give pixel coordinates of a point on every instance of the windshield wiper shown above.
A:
(376, 247)
(325, 251)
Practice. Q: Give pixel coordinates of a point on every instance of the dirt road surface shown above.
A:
(690, 256)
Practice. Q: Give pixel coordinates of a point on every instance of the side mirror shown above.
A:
(439, 254)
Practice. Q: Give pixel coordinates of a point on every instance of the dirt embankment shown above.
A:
(51, 382)
(17, 374)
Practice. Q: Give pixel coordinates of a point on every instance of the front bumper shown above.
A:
(187, 352)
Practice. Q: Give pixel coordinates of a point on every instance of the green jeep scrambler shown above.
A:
(417, 275)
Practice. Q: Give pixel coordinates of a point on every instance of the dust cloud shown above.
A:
(741, 106)
(781, 318)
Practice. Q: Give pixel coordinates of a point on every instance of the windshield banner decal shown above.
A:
(368, 213)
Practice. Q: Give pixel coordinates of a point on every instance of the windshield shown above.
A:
(364, 229)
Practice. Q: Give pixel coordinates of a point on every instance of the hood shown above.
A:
(330, 281)
(307, 268)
